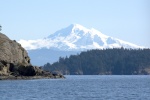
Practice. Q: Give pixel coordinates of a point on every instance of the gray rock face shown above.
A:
(15, 62)
(12, 52)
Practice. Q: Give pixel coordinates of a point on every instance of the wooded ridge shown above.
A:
(107, 61)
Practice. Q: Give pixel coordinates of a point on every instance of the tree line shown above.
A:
(107, 61)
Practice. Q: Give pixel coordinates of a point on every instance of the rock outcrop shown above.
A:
(15, 62)
(12, 52)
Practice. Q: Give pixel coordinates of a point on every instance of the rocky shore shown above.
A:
(27, 73)
(15, 62)
(29, 77)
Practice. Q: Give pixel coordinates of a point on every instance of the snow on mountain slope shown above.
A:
(76, 38)
(67, 41)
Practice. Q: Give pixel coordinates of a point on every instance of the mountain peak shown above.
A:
(77, 37)
(75, 27)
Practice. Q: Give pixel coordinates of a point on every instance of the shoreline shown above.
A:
(30, 77)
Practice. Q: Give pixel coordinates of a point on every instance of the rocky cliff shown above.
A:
(15, 62)
(12, 52)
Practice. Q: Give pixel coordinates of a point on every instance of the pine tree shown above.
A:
(109, 61)
(0, 27)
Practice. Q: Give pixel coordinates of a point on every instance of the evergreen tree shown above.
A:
(0, 27)
(108, 61)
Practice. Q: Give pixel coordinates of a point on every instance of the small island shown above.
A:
(15, 62)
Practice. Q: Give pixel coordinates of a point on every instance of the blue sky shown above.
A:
(128, 20)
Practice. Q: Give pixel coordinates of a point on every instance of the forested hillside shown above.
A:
(109, 61)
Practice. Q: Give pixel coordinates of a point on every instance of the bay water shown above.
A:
(78, 87)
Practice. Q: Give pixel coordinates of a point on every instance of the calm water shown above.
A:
(78, 88)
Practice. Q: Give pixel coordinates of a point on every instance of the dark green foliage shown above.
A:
(26, 70)
(13, 67)
(0, 27)
(1, 66)
(108, 61)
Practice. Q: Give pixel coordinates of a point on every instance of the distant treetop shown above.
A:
(0, 27)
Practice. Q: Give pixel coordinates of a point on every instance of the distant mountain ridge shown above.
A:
(70, 40)
(78, 38)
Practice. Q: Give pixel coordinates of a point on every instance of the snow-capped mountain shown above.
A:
(68, 41)
(78, 38)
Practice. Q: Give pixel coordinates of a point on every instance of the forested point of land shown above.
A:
(104, 62)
